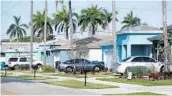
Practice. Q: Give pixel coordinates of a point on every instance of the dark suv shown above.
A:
(79, 64)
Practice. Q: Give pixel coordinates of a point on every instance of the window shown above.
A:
(147, 59)
(69, 62)
(137, 59)
(13, 59)
(77, 61)
(86, 61)
(124, 60)
(23, 59)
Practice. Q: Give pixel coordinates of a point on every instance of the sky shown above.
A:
(149, 12)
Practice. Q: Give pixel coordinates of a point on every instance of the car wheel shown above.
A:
(39, 67)
(69, 69)
(162, 69)
(96, 69)
(125, 74)
(16, 67)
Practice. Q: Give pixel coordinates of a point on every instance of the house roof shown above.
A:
(21, 46)
(169, 27)
(55, 42)
(155, 38)
(140, 29)
(93, 42)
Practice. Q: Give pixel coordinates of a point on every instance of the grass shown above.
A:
(139, 82)
(28, 77)
(8, 73)
(89, 75)
(137, 94)
(80, 84)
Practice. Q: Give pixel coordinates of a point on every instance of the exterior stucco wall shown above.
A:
(95, 55)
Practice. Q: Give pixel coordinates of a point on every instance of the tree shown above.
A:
(91, 18)
(38, 25)
(130, 21)
(61, 21)
(107, 18)
(17, 30)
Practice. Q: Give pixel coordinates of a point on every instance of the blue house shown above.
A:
(130, 42)
(52, 53)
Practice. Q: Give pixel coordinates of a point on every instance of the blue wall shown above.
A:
(131, 44)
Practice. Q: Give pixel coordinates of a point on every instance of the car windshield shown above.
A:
(124, 60)
(13, 59)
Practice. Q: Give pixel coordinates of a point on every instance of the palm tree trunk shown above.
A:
(90, 30)
(93, 30)
(45, 30)
(114, 31)
(18, 43)
(164, 17)
(66, 34)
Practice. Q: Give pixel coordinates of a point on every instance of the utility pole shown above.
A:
(114, 31)
(164, 21)
(71, 27)
(45, 30)
(31, 35)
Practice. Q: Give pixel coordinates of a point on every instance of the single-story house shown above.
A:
(52, 54)
(130, 42)
(13, 49)
(158, 45)
(61, 50)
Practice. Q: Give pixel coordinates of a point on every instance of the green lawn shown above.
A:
(89, 75)
(137, 94)
(80, 84)
(139, 82)
(29, 77)
(8, 73)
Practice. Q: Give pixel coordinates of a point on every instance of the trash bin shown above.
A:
(2, 65)
(129, 75)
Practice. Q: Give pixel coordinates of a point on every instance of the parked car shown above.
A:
(15, 62)
(139, 61)
(79, 64)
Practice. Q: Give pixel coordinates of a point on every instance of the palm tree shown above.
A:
(131, 21)
(91, 18)
(38, 25)
(61, 21)
(17, 30)
(107, 18)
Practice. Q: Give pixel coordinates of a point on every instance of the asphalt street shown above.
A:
(13, 86)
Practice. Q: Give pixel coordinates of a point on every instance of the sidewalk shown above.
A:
(124, 88)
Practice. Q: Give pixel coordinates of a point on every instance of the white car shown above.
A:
(139, 61)
(15, 62)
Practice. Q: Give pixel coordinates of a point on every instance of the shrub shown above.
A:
(138, 71)
(48, 68)
(151, 69)
(24, 66)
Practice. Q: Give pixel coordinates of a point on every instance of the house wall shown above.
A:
(64, 55)
(141, 38)
(95, 55)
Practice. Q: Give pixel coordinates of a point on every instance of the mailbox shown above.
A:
(86, 70)
(35, 67)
